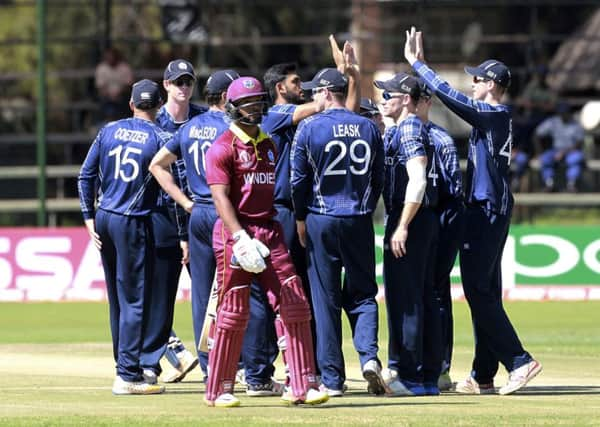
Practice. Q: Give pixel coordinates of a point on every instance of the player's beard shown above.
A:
(293, 98)
(252, 119)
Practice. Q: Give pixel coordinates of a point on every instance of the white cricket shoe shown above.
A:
(225, 400)
(471, 386)
(122, 387)
(187, 362)
(394, 386)
(240, 376)
(313, 397)
(332, 392)
(518, 378)
(149, 376)
(372, 373)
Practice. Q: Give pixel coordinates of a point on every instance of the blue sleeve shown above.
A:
(471, 111)
(410, 137)
(278, 118)
(174, 145)
(87, 180)
(301, 173)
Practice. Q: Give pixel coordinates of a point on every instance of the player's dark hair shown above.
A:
(212, 98)
(275, 74)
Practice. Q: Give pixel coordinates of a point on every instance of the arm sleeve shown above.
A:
(544, 128)
(466, 108)
(218, 165)
(87, 179)
(301, 173)
(279, 118)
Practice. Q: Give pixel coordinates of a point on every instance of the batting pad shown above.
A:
(295, 315)
(232, 318)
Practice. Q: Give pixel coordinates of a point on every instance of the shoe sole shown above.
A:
(318, 401)
(375, 382)
(534, 373)
(130, 393)
(262, 393)
(183, 373)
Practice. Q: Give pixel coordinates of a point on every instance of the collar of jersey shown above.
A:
(237, 131)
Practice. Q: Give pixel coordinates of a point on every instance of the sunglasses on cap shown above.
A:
(183, 81)
(477, 79)
(387, 95)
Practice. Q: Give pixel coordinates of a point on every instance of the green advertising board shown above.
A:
(541, 255)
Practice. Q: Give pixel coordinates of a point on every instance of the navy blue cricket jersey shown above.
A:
(165, 233)
(409, 140)
(490, 143)
(191, 142)
(450, 185)
(337, 165)
(278, 123)
(119, 158)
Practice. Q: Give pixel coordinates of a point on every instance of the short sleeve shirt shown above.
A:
(247, 165)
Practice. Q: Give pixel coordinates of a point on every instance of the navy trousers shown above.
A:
(414, 345)
(333, 243)
(127, 248)
(451, 219)
(202, 268)
(167, 270)
(480, 255)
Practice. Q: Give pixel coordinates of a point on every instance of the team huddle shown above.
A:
(268, 198)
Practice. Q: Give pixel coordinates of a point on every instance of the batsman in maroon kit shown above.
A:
(249, 246)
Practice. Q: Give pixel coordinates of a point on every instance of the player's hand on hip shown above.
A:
(398, 241)
(91, 229)
(189, 205)
(185, 252)
(301, 228)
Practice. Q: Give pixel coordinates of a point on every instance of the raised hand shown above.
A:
(338, 55)
(410, 46)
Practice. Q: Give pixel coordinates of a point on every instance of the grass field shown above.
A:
(57, 369)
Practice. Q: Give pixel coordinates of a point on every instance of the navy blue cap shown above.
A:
(327, 77)
(425, 90)
(401, 82)
(219, 81)
(491, 69)
(368, 106)
(145, 94)
(178, 68)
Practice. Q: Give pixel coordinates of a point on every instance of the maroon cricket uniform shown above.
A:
(247, 166)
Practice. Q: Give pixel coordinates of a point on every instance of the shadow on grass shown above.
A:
(558, 390)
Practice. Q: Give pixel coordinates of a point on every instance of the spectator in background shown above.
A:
(565, 134)
(536, 103)
(113, 78)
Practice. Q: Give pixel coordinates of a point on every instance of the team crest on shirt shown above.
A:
(271, 157)
(245, 160)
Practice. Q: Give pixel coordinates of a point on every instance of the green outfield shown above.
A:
(57, 369)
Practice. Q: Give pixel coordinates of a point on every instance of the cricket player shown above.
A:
(489, 205)
(410, 195)
(249, 246)
(450, 211)
(121, 227)
(190, 144)
(337, 177)
(170, 223)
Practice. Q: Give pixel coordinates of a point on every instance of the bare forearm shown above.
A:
(226, 212)
(408, 213)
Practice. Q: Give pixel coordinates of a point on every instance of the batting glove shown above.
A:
(246, 253)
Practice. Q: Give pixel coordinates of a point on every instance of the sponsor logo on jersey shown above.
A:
(138, 136)
(260, 178)
(271, 157)
(245, 160)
